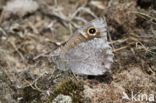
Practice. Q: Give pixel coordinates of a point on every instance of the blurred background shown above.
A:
(30, 30)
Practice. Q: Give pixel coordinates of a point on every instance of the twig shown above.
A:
(152, 19)
(16, 49)
(119, 41)
(121, 48)
(3, 31)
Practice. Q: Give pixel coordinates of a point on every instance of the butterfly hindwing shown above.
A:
(87, 51)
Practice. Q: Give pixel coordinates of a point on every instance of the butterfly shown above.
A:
(87, 52)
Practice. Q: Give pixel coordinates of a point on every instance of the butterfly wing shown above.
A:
(85, 53)
(90, 58)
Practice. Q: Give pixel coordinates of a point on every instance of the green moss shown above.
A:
(69, 87)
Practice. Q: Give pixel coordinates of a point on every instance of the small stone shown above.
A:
(62, 99)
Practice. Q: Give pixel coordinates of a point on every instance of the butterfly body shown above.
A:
(87, 51)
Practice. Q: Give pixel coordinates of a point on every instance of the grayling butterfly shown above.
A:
(87, 51)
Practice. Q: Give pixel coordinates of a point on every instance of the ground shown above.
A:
(28, 75)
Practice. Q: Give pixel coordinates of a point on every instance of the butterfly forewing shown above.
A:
(87, 51)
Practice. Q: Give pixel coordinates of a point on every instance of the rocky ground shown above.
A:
(29, 35)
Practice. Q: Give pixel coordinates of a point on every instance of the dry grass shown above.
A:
(27, 73)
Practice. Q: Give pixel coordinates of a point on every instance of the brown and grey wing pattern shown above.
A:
(91, 58)
(76, 39)
(86, 52)
(81, 34)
